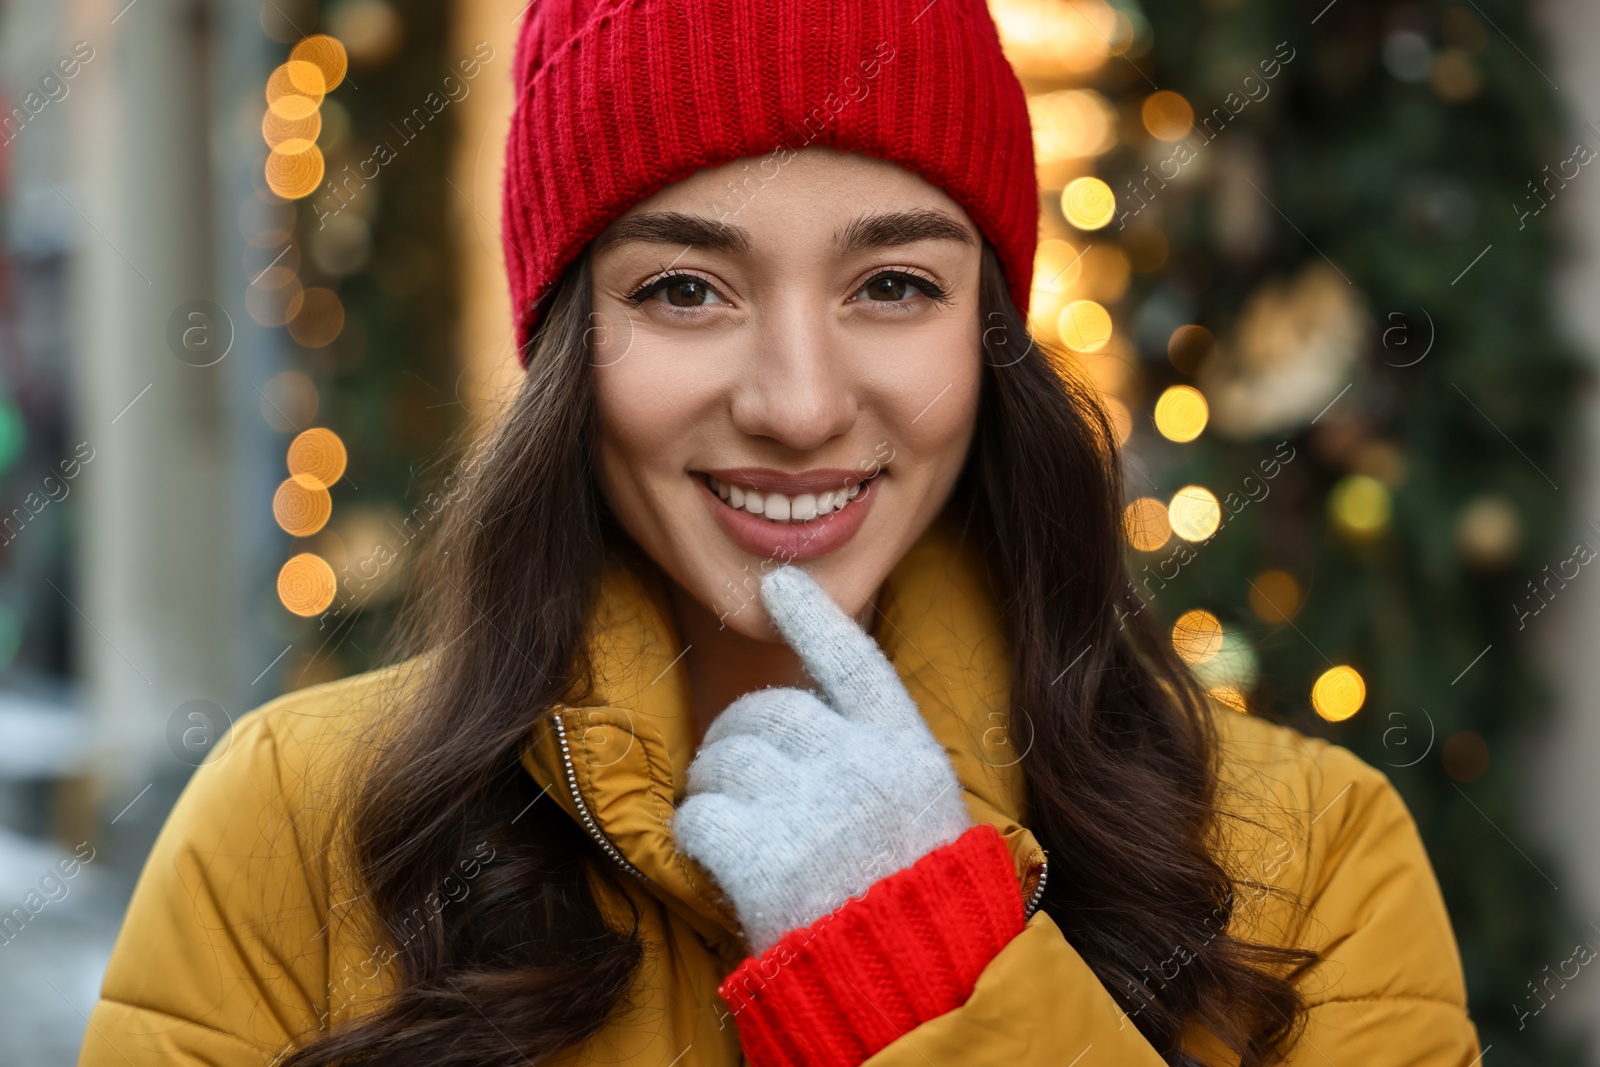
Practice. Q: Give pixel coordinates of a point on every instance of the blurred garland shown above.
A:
(380, 358)
(1350, 247)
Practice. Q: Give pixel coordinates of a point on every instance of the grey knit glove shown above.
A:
(795, 805)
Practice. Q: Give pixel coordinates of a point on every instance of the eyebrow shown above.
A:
(880, 230)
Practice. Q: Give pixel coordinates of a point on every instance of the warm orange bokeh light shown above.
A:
(1274, 596)
(306, 584)
(1085, 326)
(302, 505)
(1145, 521)
(275, 129)
(1167, 115)
(318, 455)
(1088, 203)
(1197, 635)
(320, 319)
(294, 169)
(1339, 693)
(327, 55)
(1181, 413)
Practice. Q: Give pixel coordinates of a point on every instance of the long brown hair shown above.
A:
(1120, 762)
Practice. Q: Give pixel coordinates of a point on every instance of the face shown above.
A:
(787, 363)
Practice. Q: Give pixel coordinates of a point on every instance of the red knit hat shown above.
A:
(619, 98)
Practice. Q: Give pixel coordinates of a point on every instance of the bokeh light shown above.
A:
(301, 505)
(1085, 326)
(1181, 413)
(1167, 116)
(306, 584)
(1088, 203)
(319, 319)
(370, 29)
(1051, 39)
(1057, 266)
(1338, 693)
(289, 401)
(294, 169)
(1197, 635)
(1360, 505)
(1145, 524)
(1274, 596)
(276, 130)
(327, 55)
(1071, 124)
(1188, 347)
(318, 456)
(294, 90)
(1194, 513)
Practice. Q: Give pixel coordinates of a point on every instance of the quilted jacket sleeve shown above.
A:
(1389, 987)
(222, 958)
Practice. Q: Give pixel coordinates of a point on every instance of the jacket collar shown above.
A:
(618, 762)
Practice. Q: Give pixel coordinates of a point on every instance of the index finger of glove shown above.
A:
(856, 677)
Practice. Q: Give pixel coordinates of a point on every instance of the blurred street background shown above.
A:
(1334, 267)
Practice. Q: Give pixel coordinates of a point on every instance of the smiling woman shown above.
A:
(770, 359)
(780, 654)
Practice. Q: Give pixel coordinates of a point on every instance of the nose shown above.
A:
(797, 387)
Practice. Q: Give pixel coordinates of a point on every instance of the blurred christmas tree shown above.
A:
(1319, 232)
(356, 262)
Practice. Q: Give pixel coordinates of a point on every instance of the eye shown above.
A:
(900, 287)
(678, 290)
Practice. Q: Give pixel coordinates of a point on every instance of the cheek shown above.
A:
(633, 436)
(648, 404)
(929, 399)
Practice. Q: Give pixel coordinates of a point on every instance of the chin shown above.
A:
(849, 585)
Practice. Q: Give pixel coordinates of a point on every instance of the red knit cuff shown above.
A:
(908, 950)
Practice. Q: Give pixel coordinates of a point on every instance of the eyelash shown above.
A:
(927, 286)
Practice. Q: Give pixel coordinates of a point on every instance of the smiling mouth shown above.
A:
(786, 508)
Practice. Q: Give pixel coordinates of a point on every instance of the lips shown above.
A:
(802, 531)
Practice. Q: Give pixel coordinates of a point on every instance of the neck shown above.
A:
(724, 664)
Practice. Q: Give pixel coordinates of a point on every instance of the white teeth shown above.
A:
(777, 507)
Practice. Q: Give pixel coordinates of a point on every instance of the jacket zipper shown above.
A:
(584, 814)
(1038, 891)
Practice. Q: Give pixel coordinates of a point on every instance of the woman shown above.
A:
(777, 688)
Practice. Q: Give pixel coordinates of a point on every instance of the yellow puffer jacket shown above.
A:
(245, 932)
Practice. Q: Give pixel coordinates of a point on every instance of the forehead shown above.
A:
(813, 194)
